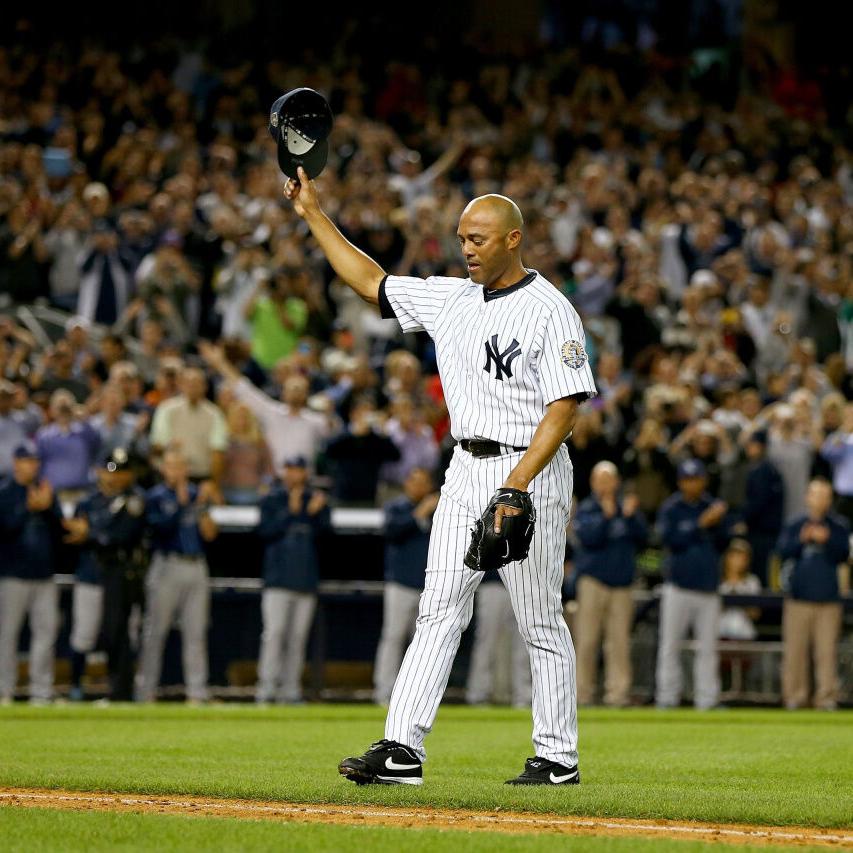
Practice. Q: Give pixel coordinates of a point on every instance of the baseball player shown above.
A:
(177, 583)
(408, 520)
(30, 532)
(512, 359)
(293, 517)
(496, 643)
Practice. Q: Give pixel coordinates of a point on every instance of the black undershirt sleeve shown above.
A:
(385, 308)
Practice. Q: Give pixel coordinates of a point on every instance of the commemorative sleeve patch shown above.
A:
(573, 354)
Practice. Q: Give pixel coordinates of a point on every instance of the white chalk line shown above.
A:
(350, 811)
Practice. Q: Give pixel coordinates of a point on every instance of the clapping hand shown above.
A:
(39, 497)
(317, 503)
(78, 530)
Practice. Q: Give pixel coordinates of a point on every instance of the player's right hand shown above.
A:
(303, 194)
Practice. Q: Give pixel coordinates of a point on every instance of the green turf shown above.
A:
(771, 767)
(34, 830)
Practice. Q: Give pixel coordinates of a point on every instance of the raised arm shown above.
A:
(356, 268)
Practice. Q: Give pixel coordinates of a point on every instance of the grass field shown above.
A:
(767, 767)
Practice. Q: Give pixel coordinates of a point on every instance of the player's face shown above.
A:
(485, 245)
(26, 470)
(819, 498)
(294, 476)
(418, 485)
(175, 469)
(692, 487)
(113, 482)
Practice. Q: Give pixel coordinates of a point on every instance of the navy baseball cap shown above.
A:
(26, 450)
(300, 122)
(690, 468)
(759, 436)
(295, 462)
(118, 460)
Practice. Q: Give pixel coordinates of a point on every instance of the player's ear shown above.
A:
(513, 239)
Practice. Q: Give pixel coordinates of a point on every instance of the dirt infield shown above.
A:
(420, 818)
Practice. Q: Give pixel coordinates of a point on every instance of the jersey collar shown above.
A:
(488, 295)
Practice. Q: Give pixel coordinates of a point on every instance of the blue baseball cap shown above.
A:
(300, 123)
(759, 436)
(690, 468)
(26, 450)
(295, 462)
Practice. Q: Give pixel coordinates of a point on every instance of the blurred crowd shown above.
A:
(708, 248)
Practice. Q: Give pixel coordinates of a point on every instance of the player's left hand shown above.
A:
(502, 511)
(503, 534)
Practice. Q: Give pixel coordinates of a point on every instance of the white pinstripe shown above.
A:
(507, 410)
(454, 313)
(446, 606)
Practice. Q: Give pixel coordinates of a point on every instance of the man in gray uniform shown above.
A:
(176, 511)
(496, 639)
(293, 518)
(30, 528)
(408, 520)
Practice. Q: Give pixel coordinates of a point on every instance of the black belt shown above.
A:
(480, 447)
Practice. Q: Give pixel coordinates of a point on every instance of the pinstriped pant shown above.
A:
(534, 585)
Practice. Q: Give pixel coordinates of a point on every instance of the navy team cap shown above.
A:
(300, 123)
(690, 468)
(295, 462)
(118, 460)
(26, 450)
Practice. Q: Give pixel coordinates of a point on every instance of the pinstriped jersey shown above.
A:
(503, 355)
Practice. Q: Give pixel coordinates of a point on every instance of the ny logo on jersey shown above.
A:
(501, 360)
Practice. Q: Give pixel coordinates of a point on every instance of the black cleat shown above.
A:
(540, 771)
(385, 763)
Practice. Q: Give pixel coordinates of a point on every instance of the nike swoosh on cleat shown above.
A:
(392, 765)
(559, 779)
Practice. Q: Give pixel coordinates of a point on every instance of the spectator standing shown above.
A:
(56, 370)
(408, 521)
(763, 506)
(413, 438)
(792, 453)
(177, 583)
(289, 426)
(116, 427)
(693, 529)
(67, 447)
(293, 517)
(194, 425)
(247, 458)
(837, 450)
(108, 526)
(277, 318)
(30, 530)
(23, 253)
(610, 529)
(64, 242)
(235, 283)
(166, 273)
(812, 547)
(105, 274)
(12, 428)
(708, 443)
(358, 454)
(648, 472)
(738, 623)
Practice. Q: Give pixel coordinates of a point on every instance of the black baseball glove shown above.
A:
(490, 550)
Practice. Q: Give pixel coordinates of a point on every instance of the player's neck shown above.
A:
(512, 275)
